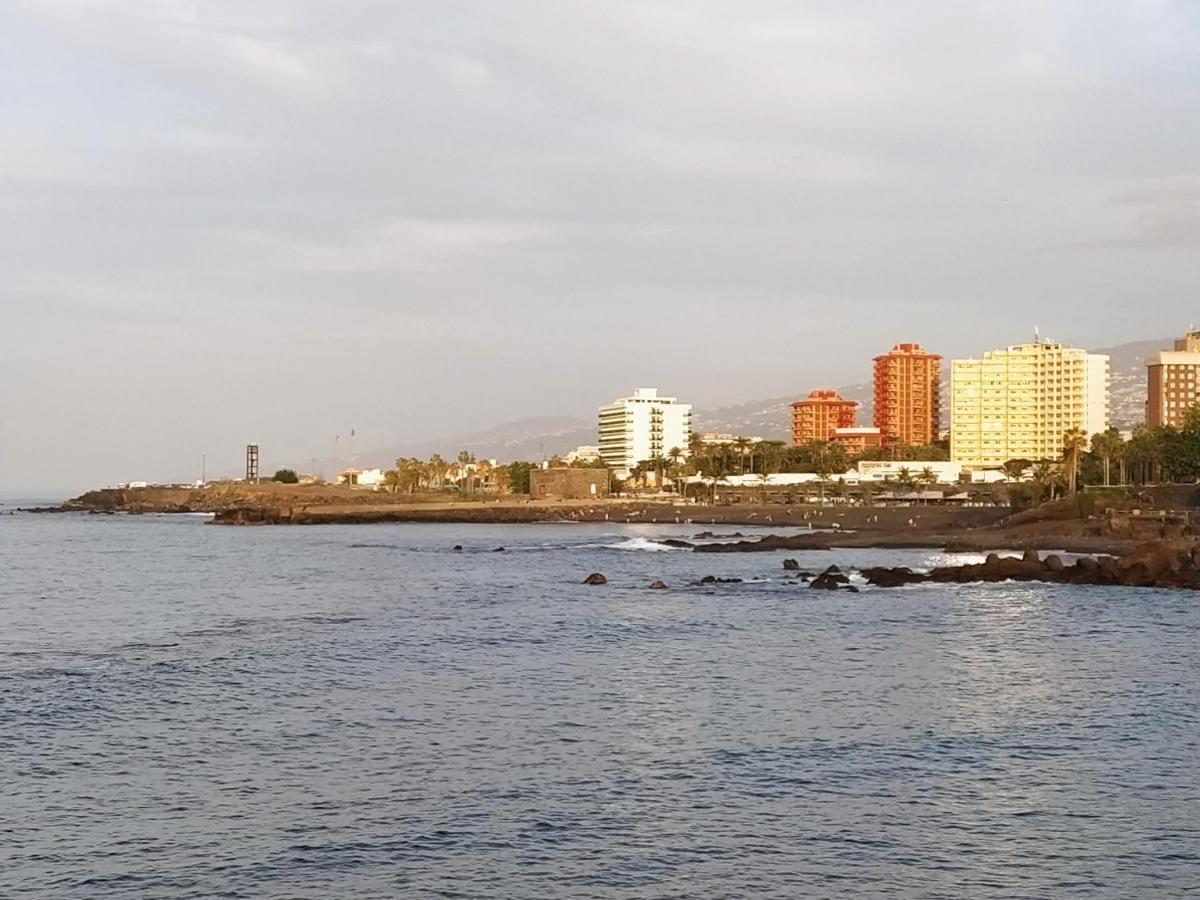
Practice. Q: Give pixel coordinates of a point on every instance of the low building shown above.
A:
(366, 478)
(819, 415)
(891, 469)
(568, 484)
(857, 441)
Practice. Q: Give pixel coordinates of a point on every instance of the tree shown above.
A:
(286, 476)
(1107, 446)
(743, 448)
(517, 476)
(438, 470)
(927, 478)
(1075, 441)
(904, 478)
(675, 455)
(1015, 469)
(1045, 474)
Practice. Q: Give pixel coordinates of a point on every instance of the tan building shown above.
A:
(908, 395)
(1019, 402)
(857, 441)
(1171, 383)
(819, 415)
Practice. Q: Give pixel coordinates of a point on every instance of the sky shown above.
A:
(224, 221)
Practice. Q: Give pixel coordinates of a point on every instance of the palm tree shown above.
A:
(438, 469)
(1045, 473)
(1015, 469)
(1075, 443)
(904, 478)
(464, 473)
(675, 454)
(1108, 445)
(743, 446)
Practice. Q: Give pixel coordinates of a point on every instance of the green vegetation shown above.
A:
(286, 476)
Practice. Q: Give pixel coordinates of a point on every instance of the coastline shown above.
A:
(800, 527)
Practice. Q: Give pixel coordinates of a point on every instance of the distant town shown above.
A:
(1033, 416)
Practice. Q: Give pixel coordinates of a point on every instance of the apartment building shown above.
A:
(1171, 382)
(1019, 402)
(819, 415)
(908, 395)
(641, 427)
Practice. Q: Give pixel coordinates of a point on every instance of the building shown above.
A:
(371, 478)
(857, 441)
(819, 415)
(583, 453)
(908, 395)
(642, 427)
(568, 483)
(1171, 382)
(1019, 402)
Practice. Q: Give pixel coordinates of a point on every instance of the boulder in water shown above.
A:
(791, 565)
(595, 578)
(658, 585)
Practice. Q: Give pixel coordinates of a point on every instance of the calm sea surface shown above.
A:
(189, 711)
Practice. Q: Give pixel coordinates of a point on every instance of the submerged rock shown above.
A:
(595, 578)
(791, 565)
(658, 585)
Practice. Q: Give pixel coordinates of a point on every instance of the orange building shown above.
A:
(819, 415)
(908, 395)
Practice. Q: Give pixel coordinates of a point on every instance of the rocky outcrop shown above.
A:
(791, 565)
(1173, 563)
(832, 579)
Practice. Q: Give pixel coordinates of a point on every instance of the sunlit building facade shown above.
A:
(1172, 379)
(642, 427)
(819, 415)
(1019, 402)
(908, 395)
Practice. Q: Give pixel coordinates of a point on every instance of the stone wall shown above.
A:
(568, 484)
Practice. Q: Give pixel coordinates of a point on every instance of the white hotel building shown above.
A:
(644, 426)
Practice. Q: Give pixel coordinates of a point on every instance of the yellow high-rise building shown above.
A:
(1019, 402)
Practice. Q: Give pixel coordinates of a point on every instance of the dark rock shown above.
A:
(897, 577)
(458, 547)
(713, 579)
(830, 580)
(1031, 556)
(791, 565)
(498, 550)
(1054, 564)
(658, 585)
(595, 578)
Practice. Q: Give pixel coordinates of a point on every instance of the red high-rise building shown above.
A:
(908, 395)
(819, 415)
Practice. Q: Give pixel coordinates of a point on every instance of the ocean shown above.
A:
(190, 711)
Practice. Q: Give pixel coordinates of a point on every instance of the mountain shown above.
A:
(1127, 364)
(534, 439)
(524, 439)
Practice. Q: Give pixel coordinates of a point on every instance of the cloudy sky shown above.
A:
(227, 220)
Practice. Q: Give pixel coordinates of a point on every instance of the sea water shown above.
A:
(193, 711)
